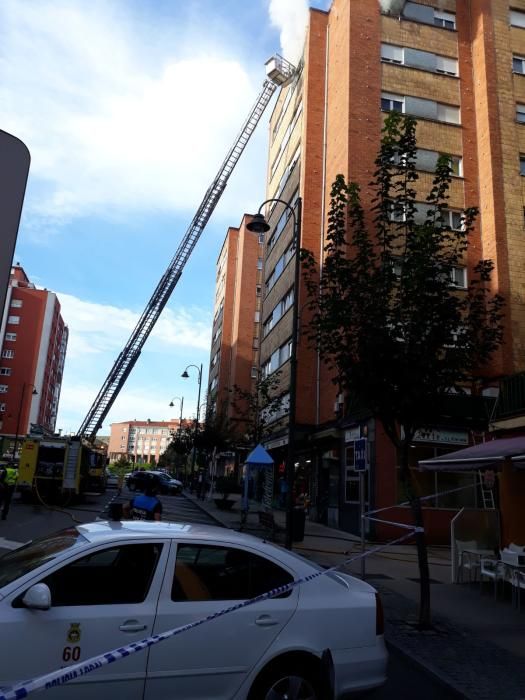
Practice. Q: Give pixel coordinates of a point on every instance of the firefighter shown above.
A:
(11, 478)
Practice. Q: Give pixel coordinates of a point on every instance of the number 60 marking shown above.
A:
(71, 654)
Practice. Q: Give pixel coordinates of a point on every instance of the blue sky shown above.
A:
(128, 109)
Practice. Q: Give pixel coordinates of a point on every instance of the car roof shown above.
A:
(100, 531)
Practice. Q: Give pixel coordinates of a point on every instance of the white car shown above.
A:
(93, 588)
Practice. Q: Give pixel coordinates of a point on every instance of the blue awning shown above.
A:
(259, 458)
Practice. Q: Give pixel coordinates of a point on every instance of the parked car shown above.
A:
(111, 479)
(96, 587)
(138, 481)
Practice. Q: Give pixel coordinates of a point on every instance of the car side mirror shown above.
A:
(38, 597)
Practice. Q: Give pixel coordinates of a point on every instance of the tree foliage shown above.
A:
(256, 410)
(387, 318)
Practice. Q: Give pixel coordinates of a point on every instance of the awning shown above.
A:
(259, 458)
(487, 455)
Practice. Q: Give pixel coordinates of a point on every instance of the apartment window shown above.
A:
(398, 213)
(255, 343)
(8, 354)
(259, 263)
(254, 372)
(520, 114)
(447, 20)
(447, 113)
(456, 165)
(518, 64)
(3, 388)
(517, 18)
(453, 219)
(5, 371)
(392, 54)
(522, 165)
(17, 303)
(10, 336)
(2, 407)
(257, 316)
(458, 276)
(392, 103)
(14, 320)
(261, 237)
(258, 290)
(447, 66)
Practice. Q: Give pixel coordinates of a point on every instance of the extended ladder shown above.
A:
(279, 72)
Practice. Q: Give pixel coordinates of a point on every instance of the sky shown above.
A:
(128, 108)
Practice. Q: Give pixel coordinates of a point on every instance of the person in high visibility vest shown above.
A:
(11, 478)
(146, 506)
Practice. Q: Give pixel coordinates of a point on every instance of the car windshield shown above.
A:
(24, 559)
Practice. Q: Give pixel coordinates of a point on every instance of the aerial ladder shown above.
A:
(278, 71)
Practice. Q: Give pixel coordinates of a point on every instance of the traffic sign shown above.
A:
(360, 455)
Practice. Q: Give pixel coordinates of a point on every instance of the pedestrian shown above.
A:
(146, 506)
(11, 477)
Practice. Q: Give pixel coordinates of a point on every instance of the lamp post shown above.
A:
(181, 399)
(185, 375)
(260, 225)
(34, 393)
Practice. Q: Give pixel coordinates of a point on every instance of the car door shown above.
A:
(211, 660)
(101, 600)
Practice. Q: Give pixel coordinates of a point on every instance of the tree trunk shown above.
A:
(422, 558)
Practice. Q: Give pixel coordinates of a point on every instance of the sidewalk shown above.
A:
(476, 648)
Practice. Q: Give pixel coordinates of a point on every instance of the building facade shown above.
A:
(459, 69)
(141, 441)
(234, 356)
(33, 341)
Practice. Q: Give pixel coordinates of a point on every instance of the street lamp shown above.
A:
(181, 399)
(34, 393)
(258, 224)
(185, 375)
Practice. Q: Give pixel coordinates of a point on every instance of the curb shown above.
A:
(205, 510)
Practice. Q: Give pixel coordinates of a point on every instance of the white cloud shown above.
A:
(97, 328)
(291, 18)
(117, 118)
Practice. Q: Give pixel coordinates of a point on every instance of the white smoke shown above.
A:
(291, 18)
(394, 7)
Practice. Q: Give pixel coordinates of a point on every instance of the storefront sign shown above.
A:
(352, 434)
(442, 437)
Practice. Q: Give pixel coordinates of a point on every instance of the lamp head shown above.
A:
(258, 224)
(185, 374)
(35, 392)
(172, 404)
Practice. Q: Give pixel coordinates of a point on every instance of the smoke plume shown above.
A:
(291, 18)
(394, 7)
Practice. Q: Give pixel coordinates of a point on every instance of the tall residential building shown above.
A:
(141, 441)
(234, 357)
(33, 341)
(459, 68)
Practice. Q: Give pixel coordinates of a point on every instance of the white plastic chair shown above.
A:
(491, 569)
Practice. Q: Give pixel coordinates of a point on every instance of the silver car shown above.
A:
(94, 588)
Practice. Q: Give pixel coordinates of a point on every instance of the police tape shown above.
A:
(407, 503)
(83, 668)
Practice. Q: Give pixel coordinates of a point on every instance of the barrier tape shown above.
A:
(422, 498)
(82, 668)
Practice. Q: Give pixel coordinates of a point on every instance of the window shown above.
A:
(119, 575)
(10, 336)
(522, 165)
(458, 276)
(447, 66)
(261, 237)
(448, 113)
(392, 54)
(517, 18)
(2, 407)
(255, 343)
(3, 388)
(5, 371)
(520, 114)
(453, 219)
(15, 320)
(447, 20)
(398, 213)
(254, 372)
(456, 165)
(279, 310)
(392, 103)
(207, 572)
(16, 303)
(279, 267)
(258, 290)
(518, 64)
(259, 263)
(352, 477)
(8, 354)
(257, 316)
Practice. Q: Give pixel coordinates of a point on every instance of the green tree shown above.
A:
(256, 410)
(399, 336)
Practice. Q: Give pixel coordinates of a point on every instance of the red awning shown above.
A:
(487, 455)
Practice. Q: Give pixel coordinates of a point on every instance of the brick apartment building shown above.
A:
(234, 356)
(141, 441)
(33, 341)
(459, 68)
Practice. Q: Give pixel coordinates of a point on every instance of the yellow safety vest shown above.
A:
(11, 476)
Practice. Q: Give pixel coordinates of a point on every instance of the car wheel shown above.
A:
(287, 682)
